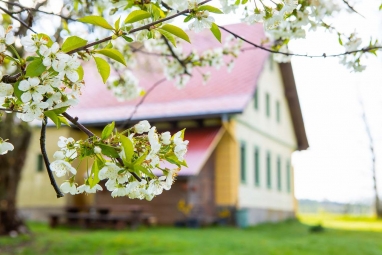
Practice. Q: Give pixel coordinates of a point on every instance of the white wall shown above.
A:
(256, 129)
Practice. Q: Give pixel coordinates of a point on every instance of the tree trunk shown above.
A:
(11, 165)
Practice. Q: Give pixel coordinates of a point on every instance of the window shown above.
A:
(279, 173)
(256, 99)
(278, 117)
(257, 167)
(40, 163)
(269, 177)
(268, 104)
(288, 174)
(242, 162)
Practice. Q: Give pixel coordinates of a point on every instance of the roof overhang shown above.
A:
(203, 142)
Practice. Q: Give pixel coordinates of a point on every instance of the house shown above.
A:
(242, 126)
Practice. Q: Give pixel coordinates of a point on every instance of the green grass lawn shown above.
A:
(285, 238)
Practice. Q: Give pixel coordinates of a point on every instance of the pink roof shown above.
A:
(202, 143)
(224, 93)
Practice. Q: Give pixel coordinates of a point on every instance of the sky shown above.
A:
(337, 166)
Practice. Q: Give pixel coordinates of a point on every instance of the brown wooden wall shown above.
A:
(201, 192)
(163, 207)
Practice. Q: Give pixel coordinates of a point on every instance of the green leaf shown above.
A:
(54, 117)
(72, 43)
(94, 179)
(96, 21)
(117, 23)
(168, 36)
(188, 18)
(176, 31)
(172, 158)
(128, 149)
(103, 68)
(216, 31)
(181, 134)
(380, 7)
(106, 132)
(114, 54)
(210, 9)
(80, 71)
(30, 58)
(46, 38)
(17, 91)
(64, 120)
(60, 110)
(140, 168)
(127, 39)
(140, 160)
(108, 150)
(137, 15)
(35, 68)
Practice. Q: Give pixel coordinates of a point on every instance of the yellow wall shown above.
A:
(227, 168)
(35, 189)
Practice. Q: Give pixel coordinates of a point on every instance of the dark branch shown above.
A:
(181, 62)
(19, 20)
(46, 159)
(11, 78)
(9, 110)
(79, 125)
(91, 134)
(324, 55)
(352, 8)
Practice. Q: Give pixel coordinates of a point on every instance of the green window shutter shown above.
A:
(279, 173)
(256, 99)
(288, 174)
(243, 163)
(268, 104)
(278, 116)
(257, 167)
(269, 169)
(40, 163)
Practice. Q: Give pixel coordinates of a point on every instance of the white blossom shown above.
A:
(119, 191)
(97, 149)
(68, 146)
(86, 188)
(5, 39)
(142, 126)
(110, 170)
(33, 111)
(32, 90)
(68, 187)
(66, 65)
(166, 138)
(33, 43)
(5, 89)
(49, 54)
(201, 21)
(156, 185)
(62, 167)
(5, 147)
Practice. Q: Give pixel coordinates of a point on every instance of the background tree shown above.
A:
(41, 78)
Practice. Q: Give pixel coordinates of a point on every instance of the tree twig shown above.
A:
(181, 62)
(19, 20)
(124, 124)
(91, 134)
(324, 55)
(46, 159)
(352, 8)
